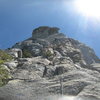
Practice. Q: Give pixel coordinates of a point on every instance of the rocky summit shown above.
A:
(51, 66)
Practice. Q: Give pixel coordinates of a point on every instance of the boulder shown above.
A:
(11, 65)
(15, 52)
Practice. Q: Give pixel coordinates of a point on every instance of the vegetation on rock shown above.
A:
(26, 53)
(4, 57)
(47, 54)
(4, 74)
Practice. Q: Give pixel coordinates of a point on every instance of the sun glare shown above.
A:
(88, 7)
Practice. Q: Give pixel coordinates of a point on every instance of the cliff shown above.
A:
(49, 64)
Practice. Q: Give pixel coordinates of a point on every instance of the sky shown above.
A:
(18, 18)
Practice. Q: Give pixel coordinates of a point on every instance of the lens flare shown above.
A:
(90, 8)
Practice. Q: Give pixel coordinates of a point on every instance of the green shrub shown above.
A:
(1, 62)
(47, 54)
(4, 75)
(4, 56)
(26, 53)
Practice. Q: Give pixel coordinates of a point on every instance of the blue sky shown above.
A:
(19, 17)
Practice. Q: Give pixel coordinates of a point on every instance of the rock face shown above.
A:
(87, 53)
(43, 32)
(52, 64)
(15, 52)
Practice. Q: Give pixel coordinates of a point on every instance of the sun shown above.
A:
(90, 8)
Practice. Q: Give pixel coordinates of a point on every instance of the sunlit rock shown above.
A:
(51, 66)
